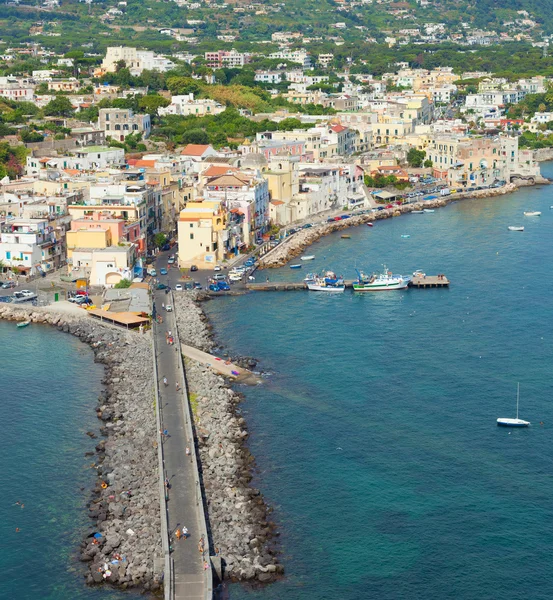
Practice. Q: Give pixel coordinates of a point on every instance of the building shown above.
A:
(14, 90)
(271, 77)
(118, 123)
(226, 58)
(135, 60)
(186, 105)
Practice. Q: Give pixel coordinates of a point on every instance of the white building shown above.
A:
(135, 60)
(186, 105)
(121, 122)
(13, 89)
(299, 56)
(268, 76)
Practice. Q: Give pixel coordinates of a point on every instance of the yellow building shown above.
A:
(202, 233)
(283, 182)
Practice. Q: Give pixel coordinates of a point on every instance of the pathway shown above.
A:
(188, 567)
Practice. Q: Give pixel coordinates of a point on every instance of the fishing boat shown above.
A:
(532, 213)
(295, 266)
(513, 228)
(24, 323)
(380, 282)
(417, 212)
(428, 210)
(346, 237)
(405, 236)
(514, 422)
(310, 257)
(327, 282)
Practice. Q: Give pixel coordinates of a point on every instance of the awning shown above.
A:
(127, 319)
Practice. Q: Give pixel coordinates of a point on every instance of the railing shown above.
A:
(208, 583)
(168, 581)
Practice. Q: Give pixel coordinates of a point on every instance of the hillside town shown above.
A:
(97, 198)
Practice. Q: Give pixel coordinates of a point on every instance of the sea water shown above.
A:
(375, 433)
(49, 389)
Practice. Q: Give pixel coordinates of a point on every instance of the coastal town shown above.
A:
(135, 184)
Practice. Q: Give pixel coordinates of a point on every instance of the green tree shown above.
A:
(195, 136)
(160, 239)
(124, 283)
(151, 104)
(428, 164)
(60, 106)
(415, 157)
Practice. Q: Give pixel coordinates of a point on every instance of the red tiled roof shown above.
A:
(194, 149)
(338, 128)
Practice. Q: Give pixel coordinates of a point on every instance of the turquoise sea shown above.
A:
(50, 386)
(375, 434)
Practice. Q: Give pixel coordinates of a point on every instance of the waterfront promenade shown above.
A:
(184, 507)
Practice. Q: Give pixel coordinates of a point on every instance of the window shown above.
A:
(191, 224)
(107, 117)
(107, 127)
(117, 127)
(135, 127)
(191, 236)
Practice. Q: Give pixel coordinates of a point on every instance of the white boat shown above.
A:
(309, 257)
(295, 266)
(405, 236)
(514, 422)
(428, 210)
(417, 212)
(380, 282)
(532, 213)
(23, 324)
(327, 282)
(513, 228)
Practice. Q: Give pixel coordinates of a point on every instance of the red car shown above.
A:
(390, 206)
(337, 218)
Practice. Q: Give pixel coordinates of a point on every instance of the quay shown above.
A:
(427, 281)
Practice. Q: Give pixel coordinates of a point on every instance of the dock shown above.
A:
(426, 281)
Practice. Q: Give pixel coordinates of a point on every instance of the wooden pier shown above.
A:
(426, 281)
(430, 281)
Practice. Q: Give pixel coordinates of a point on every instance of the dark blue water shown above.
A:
(49, 389)
(376, 434)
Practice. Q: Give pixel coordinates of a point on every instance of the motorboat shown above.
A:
(327, 282)
(405, 236)
(346, 237)
(428, 210)
(417, 212)
(24, 324)
(513, 422)
(309, 257)
(513, 228)
(532, 213)
(295, 266)
(380, 282)
(370, 225)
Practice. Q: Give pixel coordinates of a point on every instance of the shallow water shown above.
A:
(375, 434)
(49, 389)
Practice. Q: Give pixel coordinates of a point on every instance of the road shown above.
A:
(183, 509)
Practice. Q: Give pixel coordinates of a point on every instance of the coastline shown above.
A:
(297, 243)
(240, 528)
(124, 504)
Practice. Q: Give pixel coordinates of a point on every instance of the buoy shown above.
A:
(104, 485)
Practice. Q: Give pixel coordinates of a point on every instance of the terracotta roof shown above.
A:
(71, 171)
(144, 163)
(228, 181)
(277, 202)
(44, 160)
(338, 128)
(195, 149)
(218, 170)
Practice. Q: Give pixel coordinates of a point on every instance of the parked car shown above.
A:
(213, 287)
(8, 284)
(307, 226)
(217, 268)
(189, 286)
(152, 273)
(178, 287)
(168, 308)
(193, 268)
(27, 293)
(345, 217)
(163, 271)
(235, 276)
(223, 286)
(161, 286)
(170, 261)
(197, 285)
(219, 277)
(166, 247)
(250, 262)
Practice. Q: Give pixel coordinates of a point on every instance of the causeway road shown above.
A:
(183, 508)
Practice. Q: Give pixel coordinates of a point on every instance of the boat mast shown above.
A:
(518, 393)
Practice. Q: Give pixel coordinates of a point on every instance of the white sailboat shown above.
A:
(514, 422)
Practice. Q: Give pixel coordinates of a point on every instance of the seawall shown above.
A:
(124, 506)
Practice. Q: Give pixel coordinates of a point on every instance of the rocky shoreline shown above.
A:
(301, 240)
(241, 529)
(124, 505)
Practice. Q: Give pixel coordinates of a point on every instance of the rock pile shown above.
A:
(238, 514)
(125, 501)
(298, 242)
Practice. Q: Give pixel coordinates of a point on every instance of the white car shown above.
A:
(235, 276)
(27, 293)
(178, 287)
(217, 268)
(168, 308)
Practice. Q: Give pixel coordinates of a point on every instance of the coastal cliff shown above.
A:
(124, 505)
(240, 526)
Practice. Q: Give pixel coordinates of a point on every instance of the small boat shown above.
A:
(380, 282)
(417, 212)
(310, 257)
(513, 228)
(513, 422)
(370, 225)
(405, 236)
(346, 237)
(532, 213)
(295, 266)
(24, 323)
(327, 282)
(428, 210)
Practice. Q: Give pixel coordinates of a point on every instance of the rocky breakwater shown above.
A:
(297, 243)
(238, 515)
(125, 537)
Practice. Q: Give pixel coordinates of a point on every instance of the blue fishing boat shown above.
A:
(295, 266)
